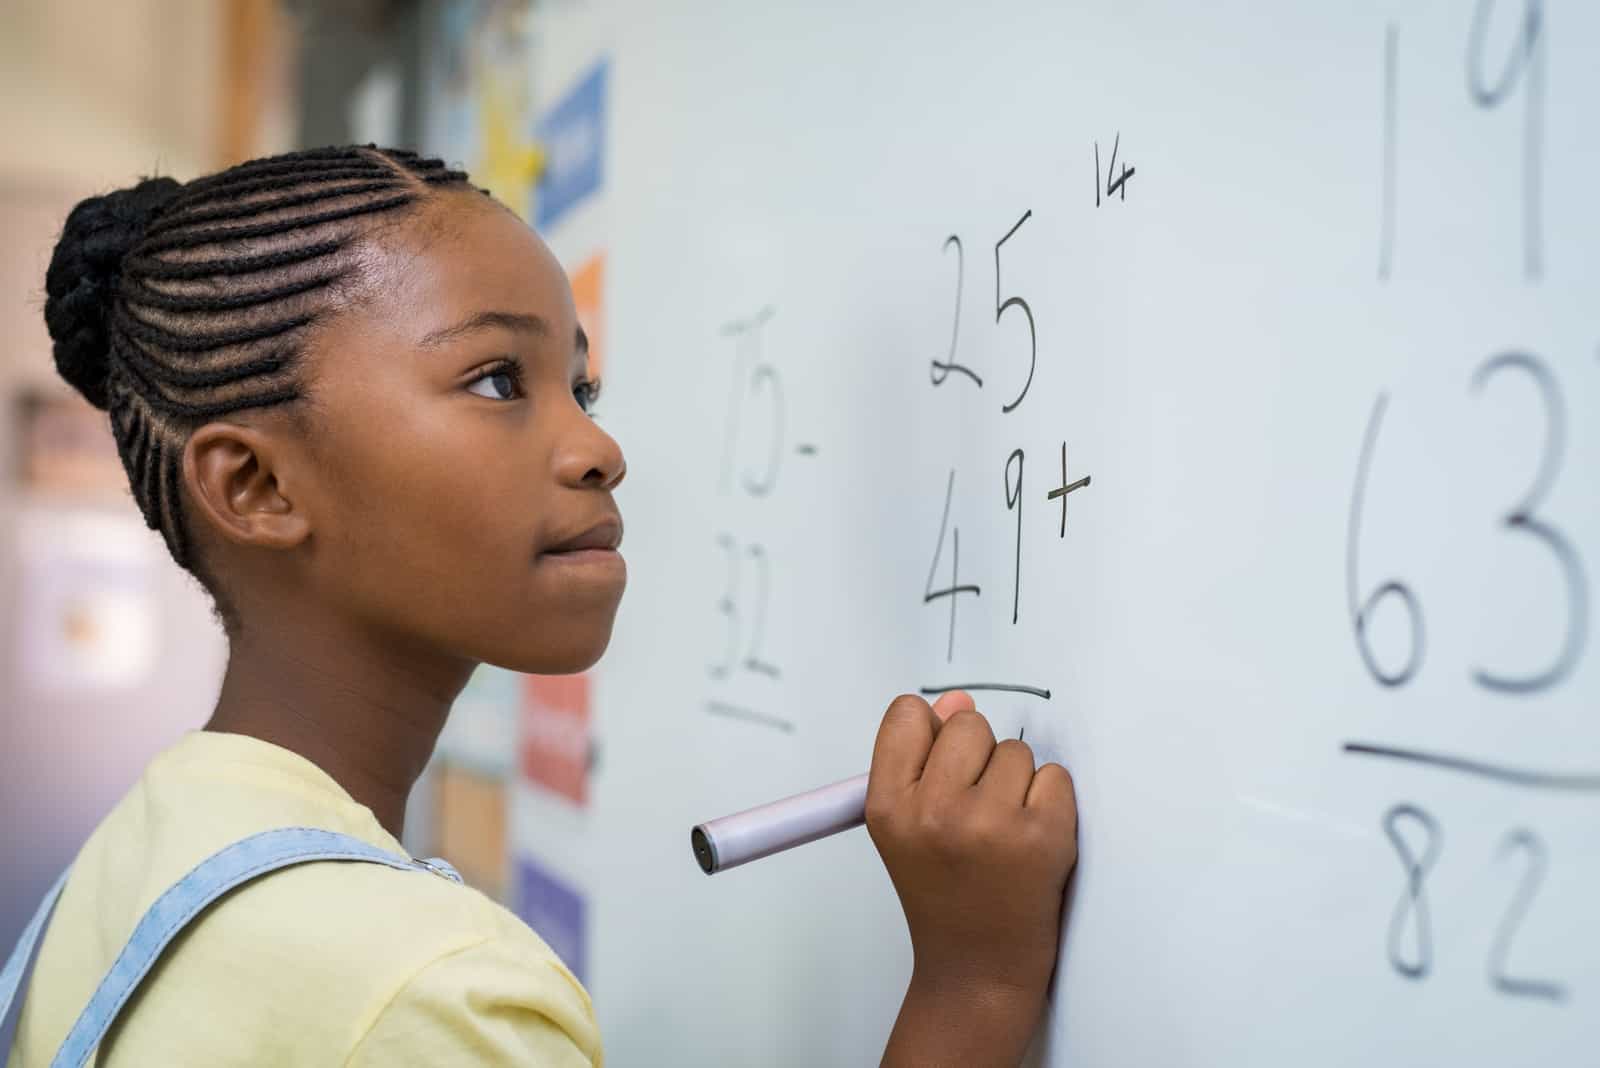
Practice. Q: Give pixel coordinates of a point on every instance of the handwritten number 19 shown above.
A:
(1525, 64)
(1523, 67)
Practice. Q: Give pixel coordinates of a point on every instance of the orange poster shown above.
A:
(588, 293)
(555, 734)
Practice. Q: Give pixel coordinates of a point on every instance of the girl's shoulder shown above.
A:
(329, 955)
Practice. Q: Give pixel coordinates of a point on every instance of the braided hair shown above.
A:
(172, 304)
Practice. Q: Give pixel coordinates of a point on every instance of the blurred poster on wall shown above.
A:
(482, 98)
(66, 449)
(556, 911)
(473, 759)
(470, 826)
(481, 732)
(588, 295)
(85, 601)
(573, 132)
(555, 735)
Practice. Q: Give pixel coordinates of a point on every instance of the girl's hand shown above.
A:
(978, 845)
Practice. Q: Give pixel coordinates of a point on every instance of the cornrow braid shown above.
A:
(175, 304)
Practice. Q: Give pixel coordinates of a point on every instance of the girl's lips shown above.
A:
(607, 559)
(605, 535)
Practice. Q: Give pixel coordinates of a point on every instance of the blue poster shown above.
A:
(574, 137)
(555, 911)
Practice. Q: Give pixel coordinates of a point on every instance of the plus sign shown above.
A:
(1065, 488)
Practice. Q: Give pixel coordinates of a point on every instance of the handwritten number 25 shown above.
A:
(940, 370)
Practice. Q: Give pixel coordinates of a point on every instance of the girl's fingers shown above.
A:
(950, 703)
(1009, 773)
(960, 753)
(1051, 795)
(904, 739)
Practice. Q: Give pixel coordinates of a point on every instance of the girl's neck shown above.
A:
(362, 709)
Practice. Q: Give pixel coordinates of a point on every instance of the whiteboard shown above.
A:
(1309, 292)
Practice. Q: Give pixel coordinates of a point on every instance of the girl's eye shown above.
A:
(587, 392)
(499, 383)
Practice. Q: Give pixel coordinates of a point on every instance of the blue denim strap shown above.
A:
(14, 977)
(219, 873)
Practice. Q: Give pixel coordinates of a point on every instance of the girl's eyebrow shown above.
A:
(517, 322)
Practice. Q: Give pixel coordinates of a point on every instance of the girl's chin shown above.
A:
(572, 656)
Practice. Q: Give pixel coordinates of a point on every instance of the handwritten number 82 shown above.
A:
(1411, 912)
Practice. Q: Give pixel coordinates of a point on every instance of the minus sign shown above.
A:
(806, 450)
(732, 711)
(1001, 687)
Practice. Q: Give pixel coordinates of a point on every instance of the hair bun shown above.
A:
(81, 282)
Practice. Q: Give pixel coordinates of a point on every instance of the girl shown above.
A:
(349, 391)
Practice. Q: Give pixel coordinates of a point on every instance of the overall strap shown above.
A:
(14, 977)
(219, 873)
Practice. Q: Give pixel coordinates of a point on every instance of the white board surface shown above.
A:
(1347, 230)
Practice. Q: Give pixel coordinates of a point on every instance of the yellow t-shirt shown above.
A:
(328, 963)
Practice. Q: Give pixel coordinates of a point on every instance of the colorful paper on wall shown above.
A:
(555, 734)
(86, 591)
(588, 294)
(482, 729)
(470, 826)
(555, 911)
(573, 136)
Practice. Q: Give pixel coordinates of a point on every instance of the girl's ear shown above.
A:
(236, 480)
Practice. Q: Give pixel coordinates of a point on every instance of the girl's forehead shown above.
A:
(466, 254)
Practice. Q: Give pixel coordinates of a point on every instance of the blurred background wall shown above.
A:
(107, 651)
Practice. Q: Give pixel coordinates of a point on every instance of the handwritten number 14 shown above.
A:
(1116, 184)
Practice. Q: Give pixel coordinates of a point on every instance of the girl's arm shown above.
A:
(956, 1024)
(979, 846)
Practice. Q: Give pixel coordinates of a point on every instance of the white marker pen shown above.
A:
(759, 832)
